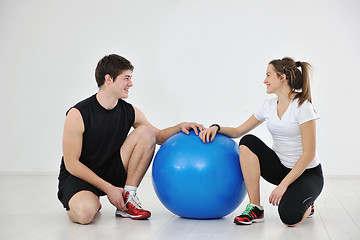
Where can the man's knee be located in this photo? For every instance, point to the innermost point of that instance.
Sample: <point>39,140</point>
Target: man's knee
<point>145,135</point>
<point>82,215</point>
<point>83,207</point>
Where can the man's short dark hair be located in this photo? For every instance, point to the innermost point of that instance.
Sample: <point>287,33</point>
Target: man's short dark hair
<point>113,65</point>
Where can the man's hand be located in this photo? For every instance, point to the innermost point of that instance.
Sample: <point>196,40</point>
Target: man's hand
<point>187,126</point>
<point>116,197</point>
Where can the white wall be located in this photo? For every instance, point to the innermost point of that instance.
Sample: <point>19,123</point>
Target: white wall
<point>198,61</point>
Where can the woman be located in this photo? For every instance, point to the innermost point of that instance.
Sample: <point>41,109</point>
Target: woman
<point>292,164</point>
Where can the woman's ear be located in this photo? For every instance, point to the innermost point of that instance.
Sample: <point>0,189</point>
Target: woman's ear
<point>283,77</point>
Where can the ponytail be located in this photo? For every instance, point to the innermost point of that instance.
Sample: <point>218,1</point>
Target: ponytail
<point>299,81</point>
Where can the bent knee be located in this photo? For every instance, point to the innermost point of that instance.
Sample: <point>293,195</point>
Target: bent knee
<point>82,215</point>
<point>245,152</point>
<point>290,217</point>
<point>248,138</point>
<point>243,149</point>
<point>247,141</point>
<point>145,134</point>
<point>83,207</point>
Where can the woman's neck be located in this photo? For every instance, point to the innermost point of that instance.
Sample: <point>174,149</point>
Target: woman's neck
<point>285,98</point>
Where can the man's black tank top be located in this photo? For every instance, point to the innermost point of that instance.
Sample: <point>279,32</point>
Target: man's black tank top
<point>105,132</point>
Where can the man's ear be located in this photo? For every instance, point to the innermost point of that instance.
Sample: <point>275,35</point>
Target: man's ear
<point>108,78</point>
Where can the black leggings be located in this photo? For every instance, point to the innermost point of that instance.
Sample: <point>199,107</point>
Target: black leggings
<point>300,194</point>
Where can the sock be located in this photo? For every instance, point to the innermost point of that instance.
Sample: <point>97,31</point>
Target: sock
<point>130,189</point>
<point>259,207</point>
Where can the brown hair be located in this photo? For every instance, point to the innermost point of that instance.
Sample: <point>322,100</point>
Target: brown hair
<point>298,81</point>
<point>113,65</point>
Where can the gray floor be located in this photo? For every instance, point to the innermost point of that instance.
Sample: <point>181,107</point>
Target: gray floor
<point>30,210</point>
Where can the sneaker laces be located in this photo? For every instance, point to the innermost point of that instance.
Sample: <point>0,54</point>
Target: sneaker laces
<point>248,209</point>
<point>134,200</point>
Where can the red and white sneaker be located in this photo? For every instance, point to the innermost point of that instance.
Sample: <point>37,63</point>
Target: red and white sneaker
<point>312,211</point>
<point>135,211</point>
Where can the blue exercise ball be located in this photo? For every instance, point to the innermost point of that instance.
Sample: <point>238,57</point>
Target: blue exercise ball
<point>198,180</point>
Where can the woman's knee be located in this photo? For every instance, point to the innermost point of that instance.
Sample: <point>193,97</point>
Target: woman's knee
<point>248,140</point>
<point>244,151</point>
<point>290,216</point>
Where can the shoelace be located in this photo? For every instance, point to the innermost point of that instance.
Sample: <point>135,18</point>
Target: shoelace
<point>248,209</point>
<point>134,200</point>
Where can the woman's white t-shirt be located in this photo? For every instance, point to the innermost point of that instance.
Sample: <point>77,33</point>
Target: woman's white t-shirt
<point>286,131</point>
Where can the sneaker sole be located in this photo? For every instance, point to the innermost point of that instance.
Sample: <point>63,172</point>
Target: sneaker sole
<point>248,223</point>
<point>126,215</point>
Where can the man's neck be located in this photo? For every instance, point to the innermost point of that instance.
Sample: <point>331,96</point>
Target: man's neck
<point>106,101</point>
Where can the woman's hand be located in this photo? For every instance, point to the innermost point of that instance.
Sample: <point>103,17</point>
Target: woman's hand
<point>208,134</point>
<point>276,195</point>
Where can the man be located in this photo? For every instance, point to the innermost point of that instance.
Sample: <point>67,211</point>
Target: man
<point>99,157</point>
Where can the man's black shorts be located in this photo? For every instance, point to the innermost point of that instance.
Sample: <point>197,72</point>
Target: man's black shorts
<point>69,185</point>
